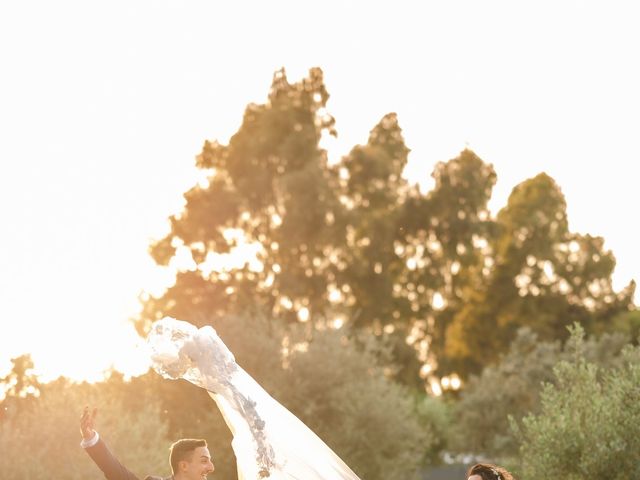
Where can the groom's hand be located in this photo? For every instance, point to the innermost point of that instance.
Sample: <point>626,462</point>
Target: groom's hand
<point>87,421</point>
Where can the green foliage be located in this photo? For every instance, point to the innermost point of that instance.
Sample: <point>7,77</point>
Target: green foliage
<point>408,253</point>
<point>627,323</point>
<point>408,249</point>
<point>38,441</point>
<point>589,422</point>
<point>436,415</point>
<point>449,233</point>
<point>374,193</point>
<point>511,388</point>
<point>544,277</point>
<point>357,409</point>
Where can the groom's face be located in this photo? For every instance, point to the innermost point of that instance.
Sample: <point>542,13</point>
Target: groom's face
<point>199,466</point>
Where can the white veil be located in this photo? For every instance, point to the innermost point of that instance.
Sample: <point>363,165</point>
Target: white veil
<point>268,440</point>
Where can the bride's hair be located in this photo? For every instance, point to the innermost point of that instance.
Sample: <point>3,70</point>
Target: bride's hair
<point>487,471</point>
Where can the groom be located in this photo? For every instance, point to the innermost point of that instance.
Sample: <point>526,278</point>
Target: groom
<point>189,458</point>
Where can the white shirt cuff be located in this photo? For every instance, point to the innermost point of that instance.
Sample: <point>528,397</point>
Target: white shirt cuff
<point>90,442</point>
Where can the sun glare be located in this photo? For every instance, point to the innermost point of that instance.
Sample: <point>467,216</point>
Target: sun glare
<point>98,155</point>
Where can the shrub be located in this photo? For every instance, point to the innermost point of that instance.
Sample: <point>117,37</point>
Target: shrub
<point>512,387</point>
<point>589,422</point>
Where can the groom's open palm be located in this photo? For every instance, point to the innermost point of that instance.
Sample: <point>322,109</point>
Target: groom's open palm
<point>87,422</point>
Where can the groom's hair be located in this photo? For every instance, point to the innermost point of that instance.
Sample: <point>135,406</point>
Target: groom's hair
<point>182,450</point>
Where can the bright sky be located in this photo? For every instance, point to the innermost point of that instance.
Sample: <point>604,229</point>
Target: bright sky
<point>104,105</point>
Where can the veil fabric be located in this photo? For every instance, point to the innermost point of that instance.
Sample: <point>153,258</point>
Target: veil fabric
<point>268,440</point>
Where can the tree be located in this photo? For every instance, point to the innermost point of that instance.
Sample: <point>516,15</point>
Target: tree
<point>543,276</point>
<point>447,237</point>
<point>370,294</point>
<point>354,242</point>
<point>410,254</point>
<point>627,323</point>
<point>269,187</point>
<point>21,380</point>
<point>20,387</point>
<point>374,192</point>
<point>589,423</point>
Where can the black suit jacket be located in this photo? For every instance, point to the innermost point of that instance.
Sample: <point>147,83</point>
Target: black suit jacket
<point>111,466</point>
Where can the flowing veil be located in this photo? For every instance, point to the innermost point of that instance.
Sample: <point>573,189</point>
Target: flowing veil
<point>268,440</point>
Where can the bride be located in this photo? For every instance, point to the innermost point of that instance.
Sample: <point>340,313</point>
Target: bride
<point>268,440</point>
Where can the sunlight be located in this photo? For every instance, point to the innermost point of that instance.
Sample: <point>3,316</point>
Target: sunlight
<point>88,359</point>
<point>435,388</point>
<point>80,210</point>
<point>438,301</point>
<point>303,314</point>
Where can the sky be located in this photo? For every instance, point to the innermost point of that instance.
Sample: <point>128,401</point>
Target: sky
<point>104,106</point>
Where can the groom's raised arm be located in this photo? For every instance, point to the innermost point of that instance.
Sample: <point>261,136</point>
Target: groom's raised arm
<point>98,451</point>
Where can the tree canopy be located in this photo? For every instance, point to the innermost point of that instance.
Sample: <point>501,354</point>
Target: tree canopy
<point>543,276</point>
<point>353,242</point>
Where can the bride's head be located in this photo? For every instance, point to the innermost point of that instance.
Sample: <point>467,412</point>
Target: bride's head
<point>487,471</point>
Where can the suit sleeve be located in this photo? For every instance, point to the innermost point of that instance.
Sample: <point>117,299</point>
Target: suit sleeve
<point>109,464</point>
